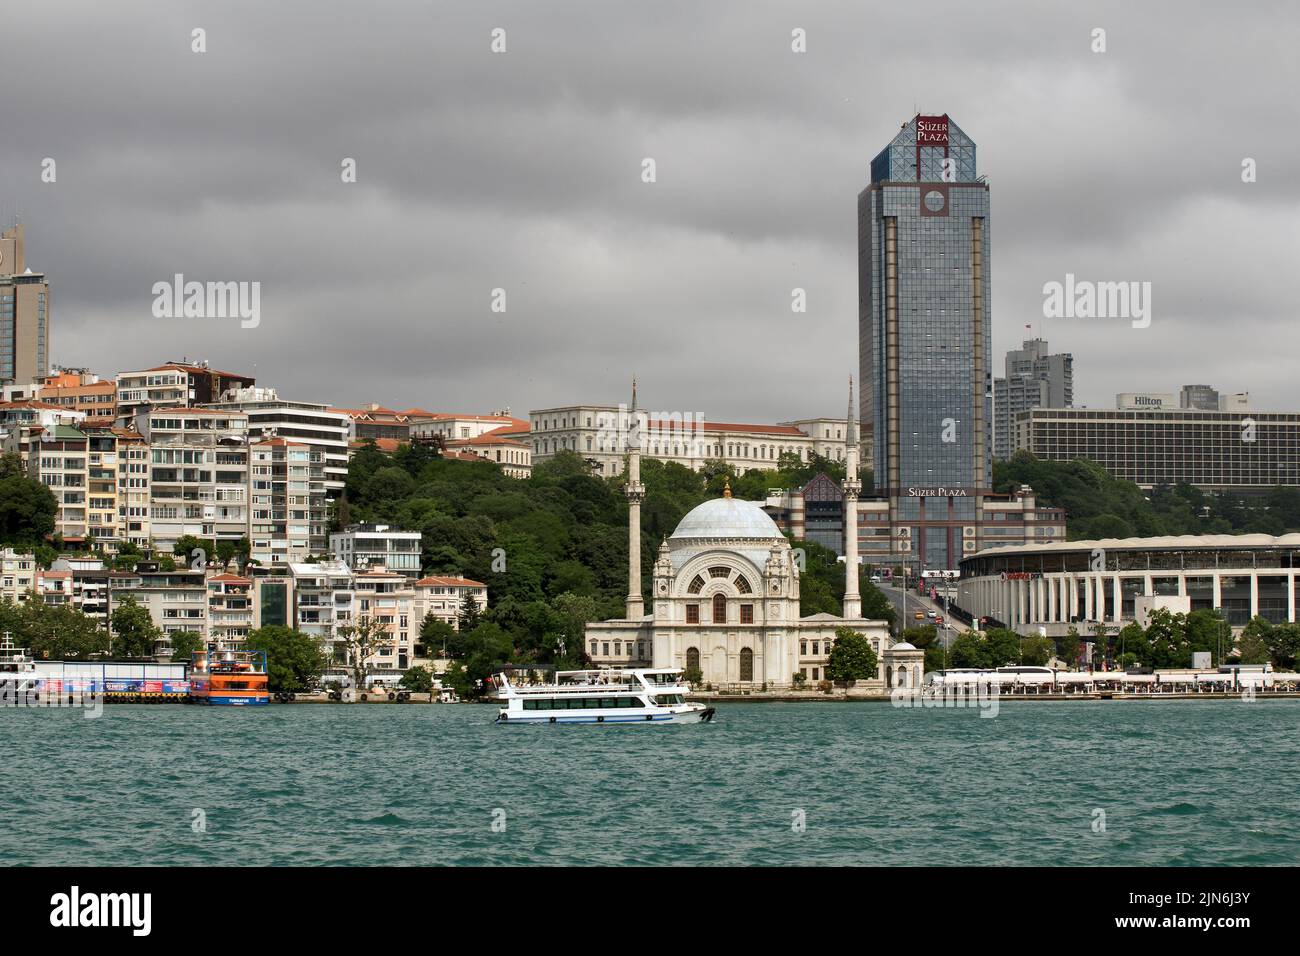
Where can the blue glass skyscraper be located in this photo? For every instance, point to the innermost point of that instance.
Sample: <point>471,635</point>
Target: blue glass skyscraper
<point>924,341</point>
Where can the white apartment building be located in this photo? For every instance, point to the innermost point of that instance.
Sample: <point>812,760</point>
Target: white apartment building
<point>363,546</point>
<point>443,597</point>
<point>176,600</point>
<point>17,575</point>
<point>57,457</point>
<point>322,429</point>
<point>230,609</point>
<point>288,502</point>
<point>600,434</point>
<point>173,385</point>
<point>387,598</point>
<point>322,599</point>
<point>199,479</point>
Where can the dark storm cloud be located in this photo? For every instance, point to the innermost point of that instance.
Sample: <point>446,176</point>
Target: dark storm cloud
<point>522,171</point>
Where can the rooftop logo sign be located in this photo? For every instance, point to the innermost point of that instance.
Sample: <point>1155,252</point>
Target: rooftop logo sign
<point>932,131</point>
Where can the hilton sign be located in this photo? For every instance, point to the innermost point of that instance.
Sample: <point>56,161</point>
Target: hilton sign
<point>932,130</point>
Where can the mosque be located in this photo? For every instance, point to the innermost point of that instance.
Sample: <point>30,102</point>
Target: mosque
<point>725,597</point>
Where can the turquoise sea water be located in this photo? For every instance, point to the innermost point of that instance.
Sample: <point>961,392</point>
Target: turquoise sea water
<point>1204,783</point>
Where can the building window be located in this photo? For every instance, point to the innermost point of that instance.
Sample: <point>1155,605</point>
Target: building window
<point>692,614</point>
<point>746,664</point>
<point>747,614</point>
<point>692,659</point>
<point>719,609</point>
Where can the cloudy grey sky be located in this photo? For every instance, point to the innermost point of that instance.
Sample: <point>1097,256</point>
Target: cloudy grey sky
<point>522,170</point>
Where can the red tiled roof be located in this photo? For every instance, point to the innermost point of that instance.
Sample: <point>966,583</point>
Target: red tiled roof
<point>388,445</point>
<point>436,581</point>
<point>734,427</point>
<point>182,367</point>
<point>487,438</point>
<point>33,403</point>
<point>227,578</point>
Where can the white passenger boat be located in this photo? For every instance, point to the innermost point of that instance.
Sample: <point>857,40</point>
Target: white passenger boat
<point>607,696</point>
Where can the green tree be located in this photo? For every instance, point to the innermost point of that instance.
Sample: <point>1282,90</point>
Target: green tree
<point>437,635</point>
<point>360,640</point>
<point>184,645</point>
<point>418,680</point>
<point>1035,651</point>
<point>134,632</point>
<point>469,614</point>
<point>294,661</point>
<point>27,507</point>
<point>1005,647</point>
<point>191,549</point>
<point>969,650</point>
<point>852,657</point>
<point>1069,647</point>
<point>1252,648</point>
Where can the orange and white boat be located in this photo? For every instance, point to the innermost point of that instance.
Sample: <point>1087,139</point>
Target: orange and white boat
<point>230,678</point>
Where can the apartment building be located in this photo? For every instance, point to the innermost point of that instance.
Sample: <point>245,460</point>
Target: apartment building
<point>87,584</point>
<point>288,502</point>
<point>322,598</point>
<point>199,475</point>
<point>444,596</point>
<point>80,390</point>
<point>176,600</point>
<point>387,598</point>
<point>58,458</point>
<point>17,575</point>
<point>230,609</point>
<point>362,546</point>
<point>174,385</point>
<point>323,429</point>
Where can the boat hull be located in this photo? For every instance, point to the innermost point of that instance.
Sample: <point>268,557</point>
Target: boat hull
<point>692,715</point>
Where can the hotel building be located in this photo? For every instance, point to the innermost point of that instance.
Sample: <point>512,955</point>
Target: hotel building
<point>1168,445</point>
<point>925,351</point>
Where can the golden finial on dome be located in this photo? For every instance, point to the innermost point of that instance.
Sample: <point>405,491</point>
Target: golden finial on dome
<point>726,488</point>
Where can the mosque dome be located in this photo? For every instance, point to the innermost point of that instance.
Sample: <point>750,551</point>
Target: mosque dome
<point>727,518</point>
<point>903,646</point>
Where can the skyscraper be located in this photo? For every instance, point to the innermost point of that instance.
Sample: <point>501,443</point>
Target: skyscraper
<point>1034,379</point>
<point>924,341</point>
<point>24,314</point>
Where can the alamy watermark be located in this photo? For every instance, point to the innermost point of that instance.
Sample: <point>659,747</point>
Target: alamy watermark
<point>975,694</point>
<point>179,299</point>
<point>673,434</point>
<point>25,695</point>
<point>1085,299</point>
